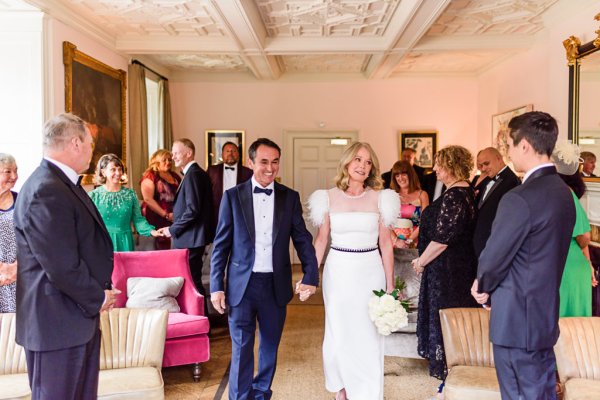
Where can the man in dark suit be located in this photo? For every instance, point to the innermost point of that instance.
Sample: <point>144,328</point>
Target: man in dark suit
<point>192,226</point>
<point>62,284</point>
<point>522,264</point>
<point>256,221</point>
<point>409,155</point>
<point>500,180</point>
<point>226,175</point>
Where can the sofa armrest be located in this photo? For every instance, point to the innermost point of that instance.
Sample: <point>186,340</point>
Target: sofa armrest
<point>132,338</point>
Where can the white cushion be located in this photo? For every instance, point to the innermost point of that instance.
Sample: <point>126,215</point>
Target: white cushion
<point>154,293</point>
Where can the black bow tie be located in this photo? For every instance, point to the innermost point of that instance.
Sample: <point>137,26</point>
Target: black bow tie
<point>261,190</point>
<point>231,168</point>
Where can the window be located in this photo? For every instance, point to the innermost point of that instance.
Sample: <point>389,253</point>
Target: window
<point>155,115</point>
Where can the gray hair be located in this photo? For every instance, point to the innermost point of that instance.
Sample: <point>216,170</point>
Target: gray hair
<point>60,129</point>
<point>7,159</point>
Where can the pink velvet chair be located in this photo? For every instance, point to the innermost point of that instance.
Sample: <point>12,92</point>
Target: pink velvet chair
<point>187,331</point>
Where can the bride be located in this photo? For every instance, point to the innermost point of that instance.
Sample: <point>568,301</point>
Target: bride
<point>358,215</point>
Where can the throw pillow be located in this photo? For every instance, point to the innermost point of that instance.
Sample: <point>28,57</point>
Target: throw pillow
<point>154,293</point>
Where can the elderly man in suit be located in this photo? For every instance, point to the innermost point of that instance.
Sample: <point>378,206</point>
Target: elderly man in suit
<point>256,221</point>
<point>192,226</point>
<point>522,263</point>
<point>500,180</point>
<point>226,175</point>
<point>62,284</point>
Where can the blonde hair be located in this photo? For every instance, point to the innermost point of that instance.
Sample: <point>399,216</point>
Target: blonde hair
<point>456,160</point>
<point>342,177</point>
<point>156,158</point>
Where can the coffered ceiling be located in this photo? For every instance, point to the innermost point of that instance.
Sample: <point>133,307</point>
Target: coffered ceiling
<point>280,39</point>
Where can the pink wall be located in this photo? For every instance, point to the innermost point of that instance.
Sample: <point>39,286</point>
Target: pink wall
<point>539,76</point>
<point>59,33</point>
<point>377,109</point>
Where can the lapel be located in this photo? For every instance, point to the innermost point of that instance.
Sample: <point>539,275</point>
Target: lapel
<point>220,173</point>
<point>494,186</point>
<point>194,165</point>
<point>79,192</point>
<point>280,196</point>
<point>244,192</point>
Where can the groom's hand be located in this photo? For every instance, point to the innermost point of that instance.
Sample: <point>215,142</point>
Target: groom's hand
<point>218,301</point>
<point>304,291</point>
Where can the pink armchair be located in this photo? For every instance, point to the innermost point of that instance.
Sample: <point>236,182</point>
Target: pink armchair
<point>187,331</point>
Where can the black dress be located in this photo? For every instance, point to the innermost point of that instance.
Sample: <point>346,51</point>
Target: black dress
<point>447,280</point>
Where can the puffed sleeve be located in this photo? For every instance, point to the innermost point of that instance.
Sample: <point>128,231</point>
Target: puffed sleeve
<point>318,207</point>
<point>389,207</point>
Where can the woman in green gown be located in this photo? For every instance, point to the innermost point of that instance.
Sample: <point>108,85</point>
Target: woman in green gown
<point>118,205</point>
<point>578,278</point>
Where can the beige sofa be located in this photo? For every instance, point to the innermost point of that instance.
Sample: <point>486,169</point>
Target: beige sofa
<point>469,355</point>
<point>130,356</point>
<point>578,357</point>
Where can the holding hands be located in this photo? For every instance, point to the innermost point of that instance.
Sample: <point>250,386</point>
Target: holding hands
<point>164,232</point>
<point>416,264</point>
<point>157,233</point>
<point>304,291</point>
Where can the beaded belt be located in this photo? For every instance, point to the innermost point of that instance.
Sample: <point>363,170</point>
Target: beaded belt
<point>355,250</point>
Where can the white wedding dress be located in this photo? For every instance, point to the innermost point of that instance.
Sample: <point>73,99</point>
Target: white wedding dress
<point>352,348</point>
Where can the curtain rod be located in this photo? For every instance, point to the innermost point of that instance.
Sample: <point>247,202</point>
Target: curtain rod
<point>149,69</point>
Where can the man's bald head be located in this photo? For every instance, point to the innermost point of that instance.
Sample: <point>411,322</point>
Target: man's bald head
<point>490,162</point>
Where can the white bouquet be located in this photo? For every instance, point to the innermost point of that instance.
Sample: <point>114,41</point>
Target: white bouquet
<point>387,312</point>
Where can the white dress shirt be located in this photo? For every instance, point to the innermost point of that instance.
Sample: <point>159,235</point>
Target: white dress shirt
<point>187,166</point>
<point>532,170</point>
<point>491,183</point>
<point>68,171</point>
<point>229,176</point>
<point>264,209</point>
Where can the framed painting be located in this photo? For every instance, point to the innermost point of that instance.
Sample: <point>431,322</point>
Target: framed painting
<point>96,92</point>
<point>423,142</point>
<point>215,139</point>
<point>500,128</point>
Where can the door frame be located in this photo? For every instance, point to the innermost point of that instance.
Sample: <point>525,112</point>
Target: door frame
<point>289,135</point>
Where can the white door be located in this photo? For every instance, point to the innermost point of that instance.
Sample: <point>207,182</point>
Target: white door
<point>315,162</point>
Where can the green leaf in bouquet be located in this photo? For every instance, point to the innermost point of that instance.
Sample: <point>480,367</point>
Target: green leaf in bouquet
<point>379,293</point>
<point>400,284</point>
<point>405,304</point>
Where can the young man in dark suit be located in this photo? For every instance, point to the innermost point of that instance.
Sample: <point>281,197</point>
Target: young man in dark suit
<point>62,284</point>
<point>522,263</point>
<point>226,175</point>
<point>501,179</point>
<point>192,226</point>
<point>257,219</point>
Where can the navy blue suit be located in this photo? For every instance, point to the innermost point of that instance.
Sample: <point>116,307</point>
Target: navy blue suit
<point>263,296</point>
<point>192,226</point>
<point>521,267</point>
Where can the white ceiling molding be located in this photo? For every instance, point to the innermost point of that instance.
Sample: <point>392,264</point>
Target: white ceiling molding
<point>312,39</point>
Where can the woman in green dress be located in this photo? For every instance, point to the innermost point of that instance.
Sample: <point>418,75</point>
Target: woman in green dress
<point>118,205</point>
<point>578,278</point>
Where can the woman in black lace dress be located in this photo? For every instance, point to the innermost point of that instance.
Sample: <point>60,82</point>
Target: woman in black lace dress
<point>447,259</point>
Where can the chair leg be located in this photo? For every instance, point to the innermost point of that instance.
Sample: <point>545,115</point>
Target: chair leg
<point>196,370</point>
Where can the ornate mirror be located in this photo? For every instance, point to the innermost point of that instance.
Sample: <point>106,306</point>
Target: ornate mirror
<point>584,94</point>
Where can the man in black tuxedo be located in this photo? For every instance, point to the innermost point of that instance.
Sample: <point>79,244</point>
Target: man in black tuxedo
<point>409,155</point>
<point>522,264</point>
<point>226,175</point>
<point>500,180</point>
<point>65,259</point>
<point>257,219</point>
<point>192,226</point>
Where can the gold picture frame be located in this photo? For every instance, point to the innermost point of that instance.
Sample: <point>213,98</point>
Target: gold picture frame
<point>96,93</point>
<point>214,141</point>
<point>500,128</point>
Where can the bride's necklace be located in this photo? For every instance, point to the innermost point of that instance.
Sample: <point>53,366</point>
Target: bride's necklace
<point>351,195</point>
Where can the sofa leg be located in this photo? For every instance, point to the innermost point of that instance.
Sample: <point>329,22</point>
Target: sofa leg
<point>196,370</point>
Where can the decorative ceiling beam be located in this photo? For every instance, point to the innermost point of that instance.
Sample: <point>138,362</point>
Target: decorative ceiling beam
<point>419,17</point>
<point>244,25</point>
<point>474,42</point>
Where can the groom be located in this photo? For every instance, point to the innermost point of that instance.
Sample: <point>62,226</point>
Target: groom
<point>256,221</point>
